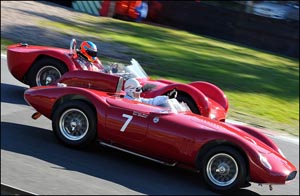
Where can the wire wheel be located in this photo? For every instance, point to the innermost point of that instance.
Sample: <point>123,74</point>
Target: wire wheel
<point>73,124</point>
<point>222,169</point>
<point>47,75</point>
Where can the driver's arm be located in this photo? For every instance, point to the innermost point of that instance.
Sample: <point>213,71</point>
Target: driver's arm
<point>158,100</point>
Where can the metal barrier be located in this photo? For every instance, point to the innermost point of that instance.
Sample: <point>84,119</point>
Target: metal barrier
<point>279,36</point>
<point>90,7</point>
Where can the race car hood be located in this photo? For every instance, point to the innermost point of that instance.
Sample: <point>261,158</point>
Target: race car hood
<point>232,132</point>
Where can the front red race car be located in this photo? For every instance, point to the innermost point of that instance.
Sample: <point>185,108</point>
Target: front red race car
<point>228,156</point>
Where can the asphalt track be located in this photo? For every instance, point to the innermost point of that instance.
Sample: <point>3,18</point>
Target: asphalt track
<point>34,161</point>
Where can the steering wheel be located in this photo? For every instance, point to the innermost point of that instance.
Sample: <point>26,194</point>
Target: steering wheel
<point>73,46</point>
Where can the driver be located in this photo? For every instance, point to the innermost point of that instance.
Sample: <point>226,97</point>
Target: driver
<point>133,91</point>
<point>87,57</point>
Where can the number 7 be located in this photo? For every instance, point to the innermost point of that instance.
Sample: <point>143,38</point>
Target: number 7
<point>129,118</point>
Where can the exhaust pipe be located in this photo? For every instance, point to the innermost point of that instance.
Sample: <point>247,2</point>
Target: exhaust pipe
<point>36,115</point>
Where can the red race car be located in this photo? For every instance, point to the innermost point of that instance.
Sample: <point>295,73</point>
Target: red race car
<point>88,106</point>
<point>41,65</point>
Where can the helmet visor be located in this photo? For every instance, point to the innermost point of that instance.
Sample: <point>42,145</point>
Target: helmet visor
<point>138,89</point>
<point>134,90</point>
<point>92,53</point>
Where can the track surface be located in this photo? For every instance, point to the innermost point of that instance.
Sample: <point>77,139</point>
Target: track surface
<point>33,160</point>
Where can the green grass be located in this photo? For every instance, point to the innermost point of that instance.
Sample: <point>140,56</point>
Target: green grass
<point>262,88</point>
<point>5,43</point>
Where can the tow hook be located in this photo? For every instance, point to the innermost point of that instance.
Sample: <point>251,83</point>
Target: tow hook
<point>36,115</point>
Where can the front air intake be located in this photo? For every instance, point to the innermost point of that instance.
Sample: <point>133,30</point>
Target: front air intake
<point>291,176</point>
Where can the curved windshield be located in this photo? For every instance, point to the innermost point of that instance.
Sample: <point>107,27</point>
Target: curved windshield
<point>127,71</point>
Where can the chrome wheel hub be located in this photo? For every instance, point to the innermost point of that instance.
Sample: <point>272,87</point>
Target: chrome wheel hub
<point>48,80</point>
<point>46,75</point>
<point>222,169</point>
<point>73,124</point>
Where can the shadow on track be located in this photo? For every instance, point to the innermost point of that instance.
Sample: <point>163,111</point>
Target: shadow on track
<point>13,94</point>
<point>127,170</point>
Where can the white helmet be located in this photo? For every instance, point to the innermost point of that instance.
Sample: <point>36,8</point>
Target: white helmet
<point>132,85</point>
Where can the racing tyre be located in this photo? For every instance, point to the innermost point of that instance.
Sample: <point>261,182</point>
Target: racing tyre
<point>189,101</point>
<point>223,169</point>
<point>74,124</point>
<point>45,71</point>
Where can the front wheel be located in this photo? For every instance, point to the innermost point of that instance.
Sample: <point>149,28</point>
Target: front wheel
<point>45,72</point>
<point>74,124</point>
<point>223,169</point>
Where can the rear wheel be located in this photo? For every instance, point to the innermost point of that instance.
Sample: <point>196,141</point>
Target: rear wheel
<point>74,124</point>
<point>45,71</point>
<point>223,169</point>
